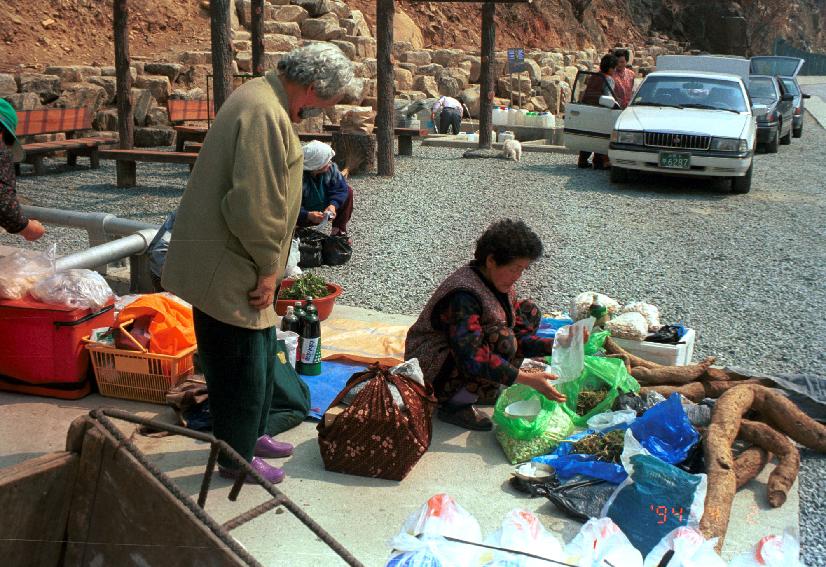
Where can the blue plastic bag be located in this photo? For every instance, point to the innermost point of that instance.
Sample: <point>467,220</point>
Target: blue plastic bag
<point>666,432</point>
<point>548,326</point>
<point>656,499</point>
<point>567,464</point>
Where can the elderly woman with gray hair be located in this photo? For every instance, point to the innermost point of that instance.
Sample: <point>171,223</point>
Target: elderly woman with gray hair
<point>232,237</point>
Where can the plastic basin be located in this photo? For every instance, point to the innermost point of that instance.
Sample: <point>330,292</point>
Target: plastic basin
<point>323,304</point>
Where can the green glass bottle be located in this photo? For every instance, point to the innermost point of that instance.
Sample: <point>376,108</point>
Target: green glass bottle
<point>310,348</point>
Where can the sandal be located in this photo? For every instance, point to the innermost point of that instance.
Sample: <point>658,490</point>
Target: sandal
<point>467,417</point>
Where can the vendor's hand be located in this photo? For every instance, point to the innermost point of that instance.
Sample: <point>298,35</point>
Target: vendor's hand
<point>264,293</point>
<point>345,173</point>
<point>332,210</point>
<point>541,382</point>
<point>33,230</point>
<point>315,217</point>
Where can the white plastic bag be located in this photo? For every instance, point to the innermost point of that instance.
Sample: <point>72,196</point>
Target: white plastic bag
<point>20,270</point>
<point>522,531</point>
<point>292,270</point>
<point>602,421</point>
<point>650,312</point>
<point>631,326</point>
<point>291,342</point>
<point>422,536</point>
<point>690,549</point>
<point>581,306</point>
<point>78,289</point>
<point>568,355</point>
<point>772,551</point>
<point>600,542</point>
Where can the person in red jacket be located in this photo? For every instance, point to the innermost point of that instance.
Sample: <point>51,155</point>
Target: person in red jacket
<point>12,219</point>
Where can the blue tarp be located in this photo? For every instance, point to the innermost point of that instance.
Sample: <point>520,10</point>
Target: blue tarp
<point>326,386</point>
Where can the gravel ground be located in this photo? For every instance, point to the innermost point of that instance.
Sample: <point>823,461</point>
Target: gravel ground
<point>745,271</point>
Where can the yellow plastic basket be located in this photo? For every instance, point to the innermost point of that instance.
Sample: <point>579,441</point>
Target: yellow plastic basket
<point>138,375</point>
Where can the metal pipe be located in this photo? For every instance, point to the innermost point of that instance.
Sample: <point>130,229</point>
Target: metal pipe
<point>109,252</point>
<point>90,221</point>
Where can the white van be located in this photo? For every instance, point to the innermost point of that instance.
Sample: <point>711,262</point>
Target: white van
<point>691,117</point>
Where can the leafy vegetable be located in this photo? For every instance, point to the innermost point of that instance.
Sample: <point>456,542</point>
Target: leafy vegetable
<point>307,285</point>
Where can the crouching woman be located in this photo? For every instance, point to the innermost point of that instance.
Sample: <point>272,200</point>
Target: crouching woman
<point>474,332</point>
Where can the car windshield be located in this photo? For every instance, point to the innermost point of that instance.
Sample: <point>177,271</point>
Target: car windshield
<point>784,66</point>
<point>791,86</point>
<point>691,92</point>
<point>762,88</point>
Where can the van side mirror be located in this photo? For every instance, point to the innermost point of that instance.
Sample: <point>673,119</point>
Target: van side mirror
<point>804,95</point>
<point>608,102</point>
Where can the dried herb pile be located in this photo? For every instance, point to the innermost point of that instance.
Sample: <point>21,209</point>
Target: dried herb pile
<point>307,285</point>
<point>589,399</point>
<point>606,447</point>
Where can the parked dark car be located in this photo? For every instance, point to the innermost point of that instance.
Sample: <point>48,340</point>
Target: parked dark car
<point>774,127</point>
<point>787,68</point>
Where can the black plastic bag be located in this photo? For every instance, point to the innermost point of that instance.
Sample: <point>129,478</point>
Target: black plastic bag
<point>336,250</point>
<point>580,499</point>
<point>310,248</point>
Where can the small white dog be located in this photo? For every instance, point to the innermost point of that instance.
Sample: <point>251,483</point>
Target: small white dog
<point>512,149</point>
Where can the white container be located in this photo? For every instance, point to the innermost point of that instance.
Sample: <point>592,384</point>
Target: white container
<point>500,116</point>
<point>548,120</point>
<point>512,117</point>
<point>522,119</point>
<point>415,123</point>
<point>527,409</point>
<point>667,355</point>
<point>504,136</point>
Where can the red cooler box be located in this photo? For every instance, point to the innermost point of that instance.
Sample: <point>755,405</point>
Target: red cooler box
<point>42,350</point>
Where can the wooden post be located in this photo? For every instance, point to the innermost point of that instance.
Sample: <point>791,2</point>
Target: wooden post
<point>221,51</point>
<point>257,37</point>
<point>486,79</point>
<point>123,77</point>
<point>385,112</point>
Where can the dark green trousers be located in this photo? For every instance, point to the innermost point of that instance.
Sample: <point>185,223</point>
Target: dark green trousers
<point>239,367</point>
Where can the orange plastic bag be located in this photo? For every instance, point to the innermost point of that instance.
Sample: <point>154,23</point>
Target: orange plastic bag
<point>171,329</point>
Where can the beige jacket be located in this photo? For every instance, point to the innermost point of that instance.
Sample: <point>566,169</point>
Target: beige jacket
<point>237,215</point>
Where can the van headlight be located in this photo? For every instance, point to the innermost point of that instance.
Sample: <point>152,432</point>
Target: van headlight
<point>628,137</point>
<point>729,145</point>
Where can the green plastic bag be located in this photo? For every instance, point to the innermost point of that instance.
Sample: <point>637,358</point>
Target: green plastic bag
<point>596,342</point>
<point>599,372</point>
<point>522,438</point>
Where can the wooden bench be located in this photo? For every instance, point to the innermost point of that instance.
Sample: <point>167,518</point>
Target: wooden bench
<point>404,135</point>
<point>127,161</point>
<point>54,121</point>
<point>181,111</point>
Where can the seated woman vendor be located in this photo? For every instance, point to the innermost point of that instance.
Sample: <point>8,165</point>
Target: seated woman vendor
<point>473,333</point>
<point>324,190</point>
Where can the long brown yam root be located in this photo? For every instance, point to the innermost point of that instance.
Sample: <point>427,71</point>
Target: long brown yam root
<point>749,464</point>
<point>782,477</point>
<point>722,479</point>
<point>784,416</point>
<point>698,391</point>
<point>672,374</point>
<point>611,347</point>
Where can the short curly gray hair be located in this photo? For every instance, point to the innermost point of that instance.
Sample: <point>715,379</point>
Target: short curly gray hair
<point>323,65</point>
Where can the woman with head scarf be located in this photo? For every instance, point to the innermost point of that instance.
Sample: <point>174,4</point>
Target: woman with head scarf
<point>12,219</point>
<point>232,238</point>
<point>324,190</point>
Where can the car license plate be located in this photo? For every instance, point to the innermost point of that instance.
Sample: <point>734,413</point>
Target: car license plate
<point>675,160</point>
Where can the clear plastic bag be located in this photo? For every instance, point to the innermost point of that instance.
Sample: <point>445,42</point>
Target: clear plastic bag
<point>20,270</point>
<point>292,270</point>
<point>78,289</point>
<point>581,306</point>
<point>690,549</point>
<point>521,530</point>
<point>655,499</point>
<point>650,312</point>
<point>567,357</point>
<point>421,542</point>
<point>631,326</point>
<point>610,419</point>
<point>600,542</point>
<point>772,551</point>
